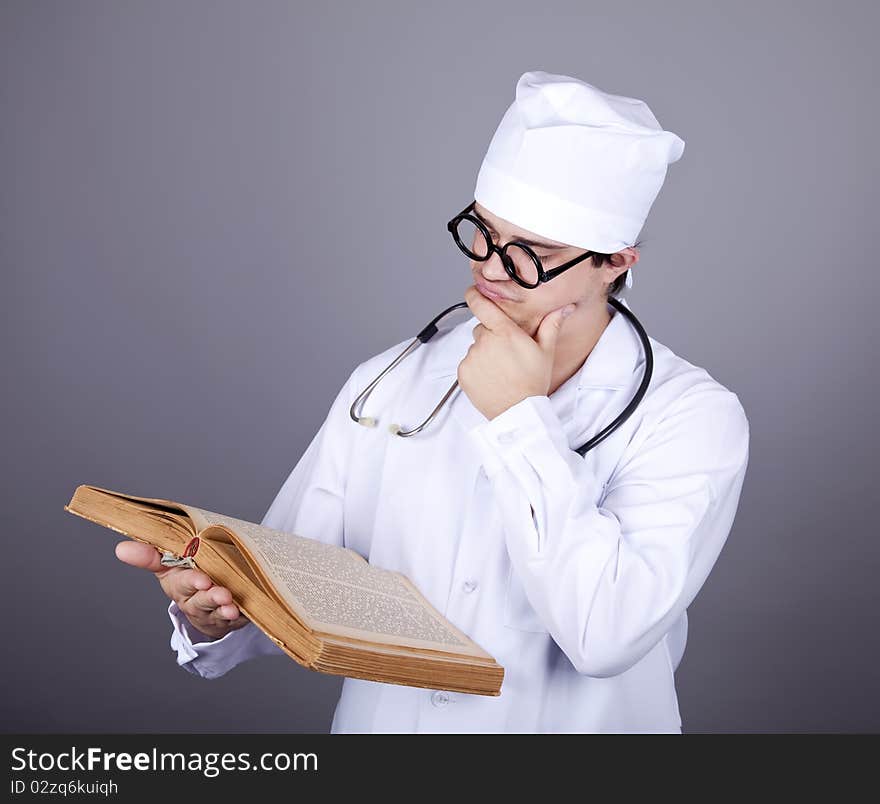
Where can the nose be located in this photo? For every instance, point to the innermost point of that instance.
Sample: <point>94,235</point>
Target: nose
<point>493,268</point>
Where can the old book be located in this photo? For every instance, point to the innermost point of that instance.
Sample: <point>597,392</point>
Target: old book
<point>325,606</point>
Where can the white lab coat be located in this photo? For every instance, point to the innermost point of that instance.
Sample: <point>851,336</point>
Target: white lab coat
<point>583,601</point>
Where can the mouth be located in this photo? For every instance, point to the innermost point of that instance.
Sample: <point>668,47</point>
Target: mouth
<point>491,294</point>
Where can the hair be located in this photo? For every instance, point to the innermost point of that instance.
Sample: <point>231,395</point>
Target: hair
<point>599,259</point>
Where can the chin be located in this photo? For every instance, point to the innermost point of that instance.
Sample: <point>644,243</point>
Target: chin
<point>527,322</point>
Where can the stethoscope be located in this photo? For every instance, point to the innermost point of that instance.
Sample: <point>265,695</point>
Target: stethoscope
<point>431,330</point>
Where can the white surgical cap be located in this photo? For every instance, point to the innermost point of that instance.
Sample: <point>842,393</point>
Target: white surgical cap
<point>576,164</point>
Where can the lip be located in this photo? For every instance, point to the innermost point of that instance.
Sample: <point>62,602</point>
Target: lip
<point>491,293</point>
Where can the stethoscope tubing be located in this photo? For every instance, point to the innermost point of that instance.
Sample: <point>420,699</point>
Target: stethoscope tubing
<point>431,329</point>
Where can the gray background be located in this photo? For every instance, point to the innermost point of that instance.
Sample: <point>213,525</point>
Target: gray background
<point>197,247</point>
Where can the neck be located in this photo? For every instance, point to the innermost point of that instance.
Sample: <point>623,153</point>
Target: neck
<point>579,333</point>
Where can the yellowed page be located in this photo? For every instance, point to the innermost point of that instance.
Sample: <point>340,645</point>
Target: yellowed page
<point>340,593</point>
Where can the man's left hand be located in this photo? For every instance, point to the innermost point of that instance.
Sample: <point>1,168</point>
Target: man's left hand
<point>504,364</point>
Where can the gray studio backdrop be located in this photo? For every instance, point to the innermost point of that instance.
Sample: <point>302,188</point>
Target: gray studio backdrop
<point>210,212</point>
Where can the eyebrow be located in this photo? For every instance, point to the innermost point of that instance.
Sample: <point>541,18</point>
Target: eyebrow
<point>528,241</point>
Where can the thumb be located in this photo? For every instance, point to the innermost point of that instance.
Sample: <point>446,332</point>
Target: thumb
<point>140,555</point>
<point>548,330</point>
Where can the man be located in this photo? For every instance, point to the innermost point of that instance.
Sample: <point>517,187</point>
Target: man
<point>574,571</point>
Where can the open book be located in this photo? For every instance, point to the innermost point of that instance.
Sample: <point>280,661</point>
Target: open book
<point>325,606</point>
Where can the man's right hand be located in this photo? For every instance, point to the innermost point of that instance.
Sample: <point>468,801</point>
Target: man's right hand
<point>209,608</point>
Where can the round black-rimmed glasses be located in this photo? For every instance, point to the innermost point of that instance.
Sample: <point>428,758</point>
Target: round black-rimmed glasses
<point>522,265</point>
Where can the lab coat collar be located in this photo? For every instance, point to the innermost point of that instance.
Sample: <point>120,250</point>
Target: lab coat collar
<point>610,364</point>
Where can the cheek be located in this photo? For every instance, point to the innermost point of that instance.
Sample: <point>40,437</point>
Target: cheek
<point>575,283</point>
<point>550,295</point>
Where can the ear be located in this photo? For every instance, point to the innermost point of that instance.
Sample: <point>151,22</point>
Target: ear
<point>621,261</point>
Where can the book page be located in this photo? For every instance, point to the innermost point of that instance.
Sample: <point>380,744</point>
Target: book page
<point>341,592</point>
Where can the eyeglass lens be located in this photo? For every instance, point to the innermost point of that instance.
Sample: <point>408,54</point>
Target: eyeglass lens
<point>473,242</point>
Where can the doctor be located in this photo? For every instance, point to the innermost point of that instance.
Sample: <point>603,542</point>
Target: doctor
<point>574,572</point>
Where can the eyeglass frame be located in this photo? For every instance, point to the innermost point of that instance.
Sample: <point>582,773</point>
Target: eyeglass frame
<point>506,261</point>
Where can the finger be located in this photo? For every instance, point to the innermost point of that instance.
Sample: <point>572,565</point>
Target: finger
<point>140,555</point>
<point>211,599</point>
<point>490,314</point>
<point>235,622</point>
<point>548,329</point>
<point>206,607</point>
<point>190,581</point>
<point>229,612</point>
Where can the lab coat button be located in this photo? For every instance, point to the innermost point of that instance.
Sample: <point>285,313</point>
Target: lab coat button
<point>469,586</point>
<point>440,698</point>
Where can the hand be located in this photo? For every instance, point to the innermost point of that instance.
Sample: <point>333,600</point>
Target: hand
<point>504,364</point>
<point>209,608</point>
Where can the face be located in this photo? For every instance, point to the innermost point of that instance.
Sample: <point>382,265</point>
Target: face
<point>583,283</point>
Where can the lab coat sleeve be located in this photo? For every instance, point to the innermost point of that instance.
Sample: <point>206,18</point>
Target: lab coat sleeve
<point>609,580</point>
<point>310,504</point>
